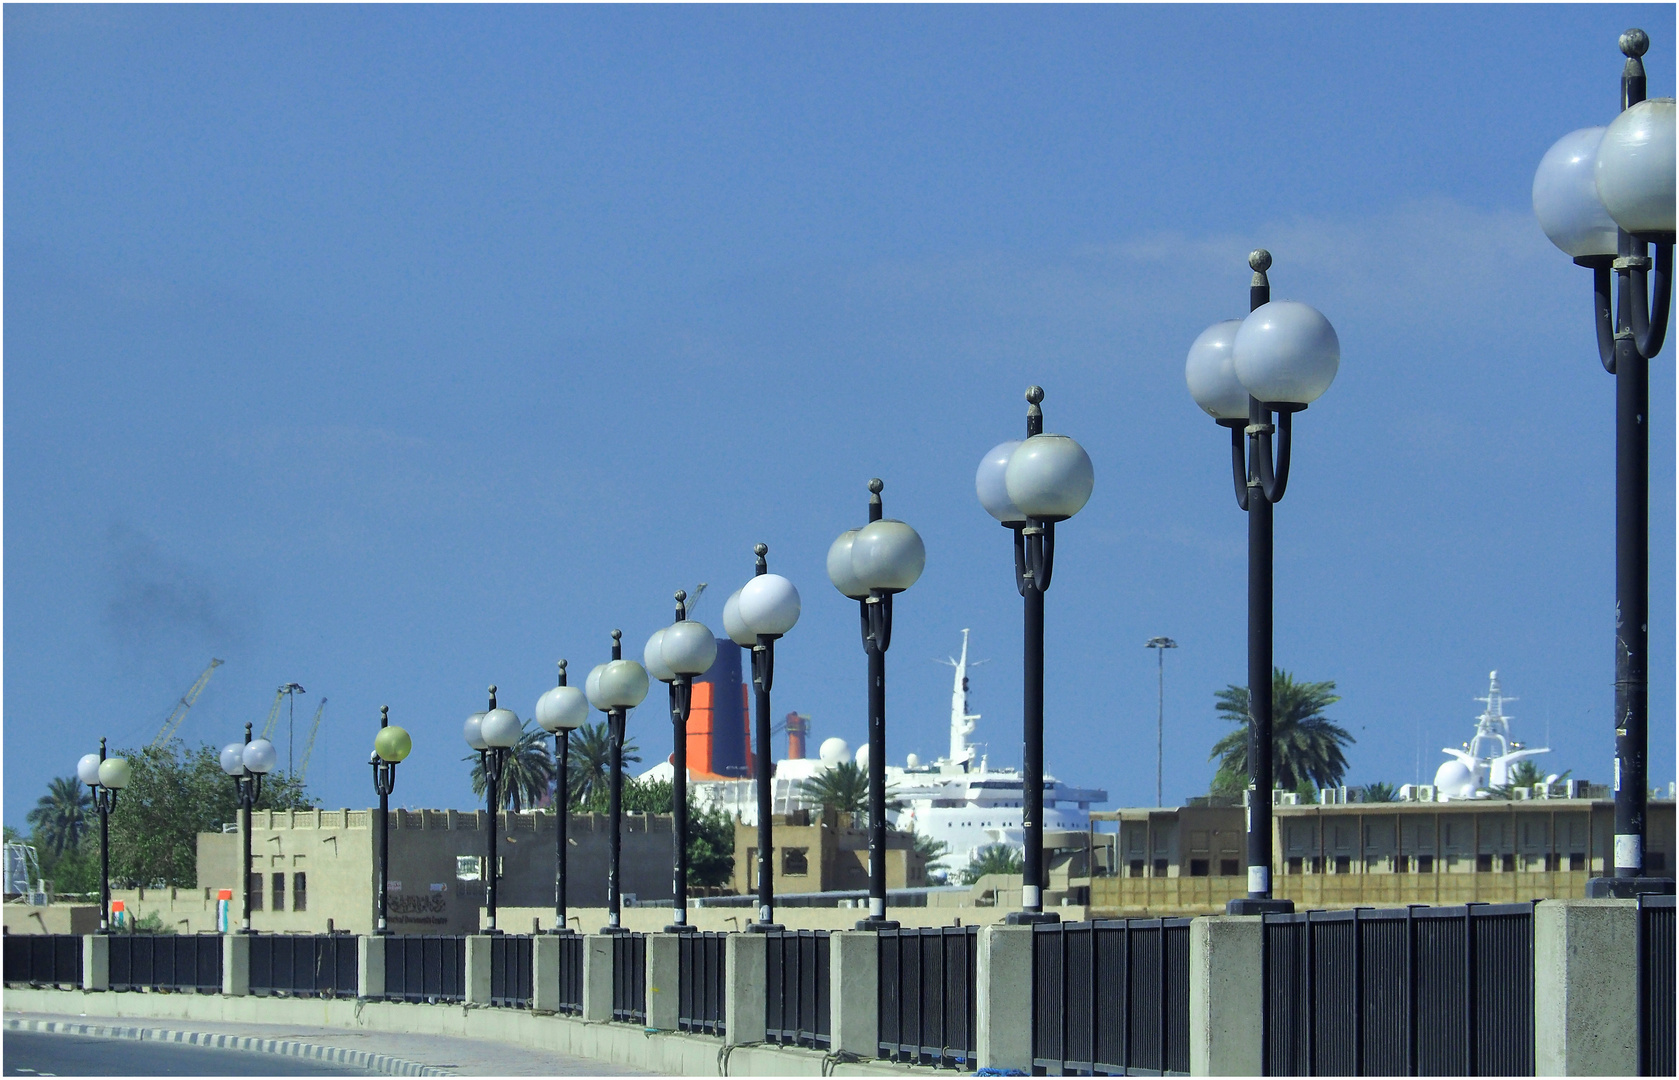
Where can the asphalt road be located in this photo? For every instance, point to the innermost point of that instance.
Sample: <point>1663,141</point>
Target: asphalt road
<point>30,1053</point>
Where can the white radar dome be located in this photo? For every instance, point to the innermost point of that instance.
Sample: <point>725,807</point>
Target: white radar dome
<point>834,751</point>
<point>913,761</point>
<point>1453,780</point>
<point>862,757</point>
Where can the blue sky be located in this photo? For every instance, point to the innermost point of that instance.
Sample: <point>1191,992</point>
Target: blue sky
<point>398,351</point>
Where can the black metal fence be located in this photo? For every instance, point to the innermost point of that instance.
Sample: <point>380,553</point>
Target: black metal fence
<point>44,960</point>
<point>304,965</point>
<point>1111,997</point>
<point>629,978</point>
<point>1422,991</point>
<point>571,974</point>
<point>703,977</point>
<point>1655,986</point>
<point>166,962</point>
<point>511,970</point>
<point>927,995</point>
<point>425,967</point>
<point>796,988</point>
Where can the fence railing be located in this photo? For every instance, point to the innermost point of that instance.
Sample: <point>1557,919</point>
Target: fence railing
<point>1423,991</point>
<point>629,978</point>
<point>571,974</point>
<point>1655,986</point>
<point>44,959</point>
<point>166,962</point>
<point>1111,996</point>
<point>796,988</point>
<point>927,995</point>
<point>511,970</point>
<point>425,967</point>
<point>304,965</point>
<point>702,979</point>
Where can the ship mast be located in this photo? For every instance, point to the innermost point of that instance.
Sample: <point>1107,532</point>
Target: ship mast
<point>961,720</point>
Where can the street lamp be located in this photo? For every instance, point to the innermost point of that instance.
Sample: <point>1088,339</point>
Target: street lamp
<point>1605,196</point>
<point>560,711</point>
<point>493,733</point>
<point>1160,645</point>
<point>1028,486</point>
<point>390,747</point>
<point>760,611</point>
<point>1252,376</point>
<point>674,656</point>
<point>247,763</point>
<point>615,688</point>
<point>106,776</point>
<point>870,565</point>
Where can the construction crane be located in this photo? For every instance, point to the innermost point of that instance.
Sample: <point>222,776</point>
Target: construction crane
<point>309,747</point>
<point>693,600</point>
<point>274,709</point>
<point>172,722</point>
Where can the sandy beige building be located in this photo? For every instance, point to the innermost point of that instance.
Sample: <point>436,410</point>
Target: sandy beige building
<point>823,852</point>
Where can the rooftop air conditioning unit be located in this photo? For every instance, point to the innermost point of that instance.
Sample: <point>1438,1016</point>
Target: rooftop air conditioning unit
<point>1291,798</point>
<point>1578,789</point>
<point>1521,793</point>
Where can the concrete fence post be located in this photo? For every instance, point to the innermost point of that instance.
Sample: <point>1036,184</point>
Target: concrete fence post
<point>478,969</point>
<point>1585,987</point>
<point>1226,998</point>
<point>236,965</point>
<point>664,981</point>
<point>747,958</point>
<point>545,973</point>
<point>96,962</point>
<point>854,992</point>
<point>1003,998</point>
<point>370,966</point>
<point>597,977</point>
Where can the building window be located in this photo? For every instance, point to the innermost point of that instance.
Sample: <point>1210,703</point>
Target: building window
<point>1576,861</point>
<point>1136,868</point>
<point>300,891</point>
<point>1550,863</point>
<point>1509,864</point>
<point>280,891</point>
<point>1297,865</point>
<point>1229,867</point>
<point>1343,864</point>
<point>254,887</point>
<point>1198,868</point>
<point>1483,864</point>
<point>794,863</point>
<point>1317,864</point>
<point>1402,864</point>
<point>1160,868</point>
<point>1425,864</point>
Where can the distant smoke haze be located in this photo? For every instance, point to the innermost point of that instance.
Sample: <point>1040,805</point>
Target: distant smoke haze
<point>156,601</point>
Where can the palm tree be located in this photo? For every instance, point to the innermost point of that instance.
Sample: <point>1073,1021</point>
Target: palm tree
<point>932,851</point>
<point>1524,774</point>
<point>589,761</point>
<point>60,816</point>
<point>994,859</point>
<point>1305,746</point>
<point>1380,791</point>
<point>842,787</point>
<point>526,774</point>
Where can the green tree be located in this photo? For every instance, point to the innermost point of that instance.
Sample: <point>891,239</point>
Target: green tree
<point>60,816</point>
<point>1380,791</point>
<point>994,859</point>
<point>711,832</point>
<point>842,787</point>
<point>527,773</point>
<point>1306,747</point>
<point>589,760</point>
<point>174,795</point>
<point>932,852</point>
<point>1524,774</point>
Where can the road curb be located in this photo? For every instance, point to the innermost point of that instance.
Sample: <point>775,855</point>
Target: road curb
<point>357,1059</point>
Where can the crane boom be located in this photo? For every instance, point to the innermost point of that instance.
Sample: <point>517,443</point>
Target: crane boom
<point>274,709</point>
<point>309,747</point>
<point>172,722</point>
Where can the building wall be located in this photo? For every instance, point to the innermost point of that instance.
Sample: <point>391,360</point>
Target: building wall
<point>430,890</point>
<point>823,854</point>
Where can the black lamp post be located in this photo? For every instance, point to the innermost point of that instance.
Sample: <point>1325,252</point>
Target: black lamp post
<point>560,711</point>
<point>1252,376</point>
<point>756,615</point>
<point>246,763</point>
<point>1606,197</point>
<point>615,688</point>
<point>106,777</point>
<point>1028,486</point>
<point>493,734</point>
<point>674,656</point>
<point>390,747</point>
<point>871,565</point>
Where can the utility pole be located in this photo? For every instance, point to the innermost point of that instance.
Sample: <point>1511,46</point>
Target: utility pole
<point>1160,645</point>
<point>291,690</point>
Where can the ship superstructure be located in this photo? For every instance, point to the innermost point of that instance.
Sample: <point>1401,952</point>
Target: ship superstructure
<point>1484,761</point>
